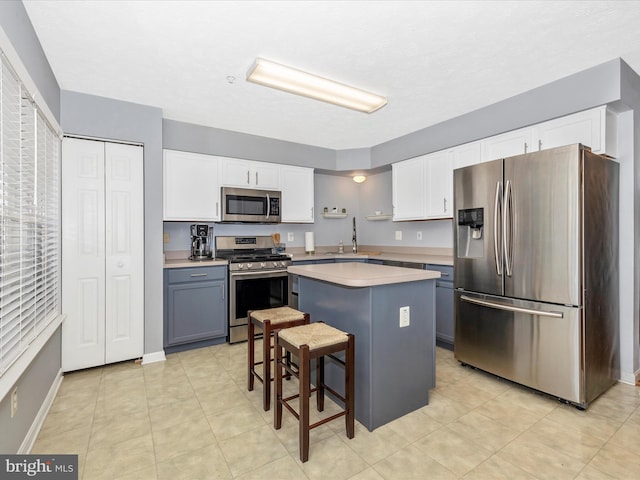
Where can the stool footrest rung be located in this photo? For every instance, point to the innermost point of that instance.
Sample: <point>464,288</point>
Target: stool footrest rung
<point>336,394</point>
<point>328,419</point>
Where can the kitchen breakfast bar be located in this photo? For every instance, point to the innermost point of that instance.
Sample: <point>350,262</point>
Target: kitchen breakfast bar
<point>391,312</point>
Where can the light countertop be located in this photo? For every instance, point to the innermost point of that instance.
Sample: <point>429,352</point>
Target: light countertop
<point>185,262</point>
<point>353,274</point>
<point>399,257</point>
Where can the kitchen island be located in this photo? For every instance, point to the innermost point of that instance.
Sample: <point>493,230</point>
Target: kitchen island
<point>394,364</point>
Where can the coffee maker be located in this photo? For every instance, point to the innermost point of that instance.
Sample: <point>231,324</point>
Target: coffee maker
<point>201,242</point>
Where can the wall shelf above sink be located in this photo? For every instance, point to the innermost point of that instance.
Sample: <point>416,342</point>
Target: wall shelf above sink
<point>333,215</point>
<point>375,218</point>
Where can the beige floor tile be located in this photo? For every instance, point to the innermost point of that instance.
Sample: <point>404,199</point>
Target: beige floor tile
<point>122,403</point>
<point>163,393</point>
<point>414,425</point>
<point>234,421</point>
<point>329,459</point>
<point>466,394</point>
<point>284,468</point>
<point>443,409</point>
<point>368,474</point>
<point>495,468</point>
<point>147,474</point>
<point>205,463</point>
<point>618,462</point>
<point>411,463</point>
<point>181,438</point>
<point>457,453</point>
<point>252,449</point>
<point>585,421</point>
<point>110,430</point>
<point>173,413</point>
<point>376,445</point>
<point>541,460</point>
<point>574,442</point>
<point>615,407</point>
<point>483,430</point>
<point>590,473</point>
<point>75,399</point>
<point>68,442</point>
<point>68,419</point>
<point>627,434</point>
<point>133,455</point>
<point>88,378</point>
<point>216,399</point>
<point>512,415</point>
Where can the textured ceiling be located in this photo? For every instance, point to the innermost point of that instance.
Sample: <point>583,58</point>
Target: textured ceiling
<point>434,60</point>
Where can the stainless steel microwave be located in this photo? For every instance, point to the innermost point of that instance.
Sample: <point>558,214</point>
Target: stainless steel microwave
<point>246,205</point>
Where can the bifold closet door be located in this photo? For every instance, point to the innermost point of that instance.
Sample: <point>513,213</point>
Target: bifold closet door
<point>102,253</point>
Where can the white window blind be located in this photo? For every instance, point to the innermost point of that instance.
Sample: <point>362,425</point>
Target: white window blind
<point>29,219</point>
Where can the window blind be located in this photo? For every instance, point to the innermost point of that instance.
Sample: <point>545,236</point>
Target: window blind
<point>29,219</point>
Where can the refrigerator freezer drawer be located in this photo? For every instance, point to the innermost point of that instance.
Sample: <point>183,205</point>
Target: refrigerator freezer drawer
<point>534,344</point>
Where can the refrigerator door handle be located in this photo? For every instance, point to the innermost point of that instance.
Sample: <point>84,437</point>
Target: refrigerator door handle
<point>497,211</point>
<point>507,228</point>
<point>509,308</point>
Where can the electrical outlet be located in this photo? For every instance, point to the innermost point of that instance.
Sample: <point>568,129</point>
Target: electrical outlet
<point>14,402</point>
<point>165,237</point>
<point>289,236</point>
<point>405,316</point>
<point>398,234</point>
<point>419,235</point>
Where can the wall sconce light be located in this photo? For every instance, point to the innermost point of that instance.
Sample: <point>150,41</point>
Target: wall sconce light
<point>359,178</point>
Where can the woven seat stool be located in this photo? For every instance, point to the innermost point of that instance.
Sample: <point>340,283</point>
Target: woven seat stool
<point>308,342</point>
<point>269,320</point>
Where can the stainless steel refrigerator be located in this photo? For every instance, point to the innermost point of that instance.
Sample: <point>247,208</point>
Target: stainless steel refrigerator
<point>536,270</point>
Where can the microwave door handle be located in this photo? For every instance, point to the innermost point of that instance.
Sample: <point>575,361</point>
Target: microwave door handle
<point>268,206</point>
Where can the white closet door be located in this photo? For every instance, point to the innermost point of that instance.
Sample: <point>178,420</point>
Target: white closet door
<point>102,253</point>
<point>83,247</point>
<point>124,255</point>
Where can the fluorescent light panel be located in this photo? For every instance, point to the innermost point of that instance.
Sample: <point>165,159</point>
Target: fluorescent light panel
<point>292,80</point>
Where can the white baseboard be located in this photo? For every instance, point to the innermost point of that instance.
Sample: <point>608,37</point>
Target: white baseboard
<point>36,426</point>
<point>153,357</point>
<point>630,378</point>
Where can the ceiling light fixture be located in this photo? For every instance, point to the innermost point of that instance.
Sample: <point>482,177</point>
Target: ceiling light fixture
<point>359,178</point>
<point>292,80</point>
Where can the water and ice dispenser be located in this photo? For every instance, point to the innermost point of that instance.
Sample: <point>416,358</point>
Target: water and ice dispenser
<point>471,233</point>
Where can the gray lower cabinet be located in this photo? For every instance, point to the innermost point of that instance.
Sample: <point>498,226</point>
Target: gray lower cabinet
<point>444,305</point>
<point>195,307</point>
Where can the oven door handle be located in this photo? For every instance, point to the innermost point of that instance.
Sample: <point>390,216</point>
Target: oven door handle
<point>268,205</point>
<point>261,273</point>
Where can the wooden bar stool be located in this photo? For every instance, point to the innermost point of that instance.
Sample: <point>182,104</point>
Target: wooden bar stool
<point>308,342</point>
<point>269,321</point>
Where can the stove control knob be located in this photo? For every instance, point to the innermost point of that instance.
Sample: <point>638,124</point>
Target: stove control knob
<point>240,266</point>
<point>275,264</point>
<point>263,264</point>
<point>249,265</point>
<point>282,264</point>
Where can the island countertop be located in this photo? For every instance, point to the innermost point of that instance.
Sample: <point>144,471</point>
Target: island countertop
<point>355,274</point>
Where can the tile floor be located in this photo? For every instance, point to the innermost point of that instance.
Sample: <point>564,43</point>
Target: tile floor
<point>191,417</point>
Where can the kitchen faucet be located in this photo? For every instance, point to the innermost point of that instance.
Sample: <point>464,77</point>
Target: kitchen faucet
<point>353,239</point>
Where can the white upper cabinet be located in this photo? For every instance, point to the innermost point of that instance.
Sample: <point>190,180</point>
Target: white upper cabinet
<point>595,128</point>
<point>508,144</point>
<point>250,174</point>
<point>408,188</point>
<point>467,154</point>
<point>296,184</point>
<point>191,186</point>
<point>439,185</point>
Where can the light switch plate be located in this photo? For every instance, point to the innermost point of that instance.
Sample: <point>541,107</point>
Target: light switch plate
<point>405,316</point>
<point>289,236</point>
<point>398,234</point>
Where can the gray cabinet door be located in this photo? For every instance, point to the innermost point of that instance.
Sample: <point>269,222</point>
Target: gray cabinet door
<point>195,309</point>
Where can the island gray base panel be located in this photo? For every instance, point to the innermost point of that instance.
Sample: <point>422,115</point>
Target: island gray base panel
<point>395,367</point>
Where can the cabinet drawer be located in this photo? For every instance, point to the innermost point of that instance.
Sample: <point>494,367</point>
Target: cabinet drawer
<point>196,274</point>
<point>446,271</point>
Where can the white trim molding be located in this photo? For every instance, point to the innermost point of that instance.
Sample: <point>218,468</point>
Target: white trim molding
<point>153,357</point>
<point>36,426</point>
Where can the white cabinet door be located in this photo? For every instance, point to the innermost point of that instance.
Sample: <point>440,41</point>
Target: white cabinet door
<point>191,187</point>
<point>439,191</point>
<point>249,174</point>
<point>102,253</point>
<point>508,144</point>
<point>467,154</point>
<point>297,194</point>
<point>408,183</point>
<point>593,128</point>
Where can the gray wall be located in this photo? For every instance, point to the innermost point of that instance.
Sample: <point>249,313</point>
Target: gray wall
<point>36,381</point>
<point>105,118</point>
<point>17,26</point>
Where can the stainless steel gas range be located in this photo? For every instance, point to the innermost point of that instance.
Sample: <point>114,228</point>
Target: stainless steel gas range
<point>258,278</point>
